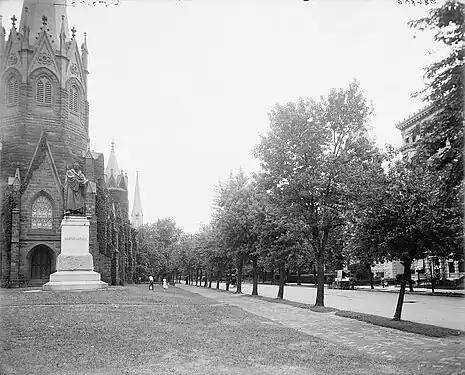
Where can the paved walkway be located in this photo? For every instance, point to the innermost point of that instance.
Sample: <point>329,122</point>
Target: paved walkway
<point>442,311</point>
<point>432,355</point>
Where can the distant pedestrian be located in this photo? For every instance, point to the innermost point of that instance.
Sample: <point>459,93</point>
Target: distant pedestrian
<point>150,282</point>
<point>165,284</point>
<point>187,280</point>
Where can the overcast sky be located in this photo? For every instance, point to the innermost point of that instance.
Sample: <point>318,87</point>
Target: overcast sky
<point>184,87</point>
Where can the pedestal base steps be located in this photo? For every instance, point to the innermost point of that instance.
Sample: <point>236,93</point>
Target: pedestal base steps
<point>74,280</point>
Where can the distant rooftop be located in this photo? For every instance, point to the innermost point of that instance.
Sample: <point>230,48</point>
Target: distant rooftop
<point>417,116</point>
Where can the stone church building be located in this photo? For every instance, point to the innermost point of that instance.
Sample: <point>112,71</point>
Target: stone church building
<point>44,129</point>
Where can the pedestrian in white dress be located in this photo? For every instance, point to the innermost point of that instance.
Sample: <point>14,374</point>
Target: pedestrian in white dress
<point>165,284</point>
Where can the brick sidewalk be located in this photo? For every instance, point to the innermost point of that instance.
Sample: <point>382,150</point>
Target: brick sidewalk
<point>432,355</point>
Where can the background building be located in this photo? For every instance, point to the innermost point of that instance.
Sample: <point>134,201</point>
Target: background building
<point>411,130</point>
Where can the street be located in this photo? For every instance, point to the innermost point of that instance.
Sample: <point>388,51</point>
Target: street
<point>441,311</point>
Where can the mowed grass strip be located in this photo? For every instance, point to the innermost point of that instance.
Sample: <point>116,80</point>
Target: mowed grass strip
<point>403,325</point>
<point>130,330</point>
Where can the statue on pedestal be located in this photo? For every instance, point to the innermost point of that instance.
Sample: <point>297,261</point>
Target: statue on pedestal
<point>75,191</point>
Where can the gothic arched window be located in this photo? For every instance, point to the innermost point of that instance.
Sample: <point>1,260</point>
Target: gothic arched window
<point>44,91</point>
<point>42,213</point>
<point>12,91</point>
<point>73,98</point>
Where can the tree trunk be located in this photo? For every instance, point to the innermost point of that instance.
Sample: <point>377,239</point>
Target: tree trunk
<point>218,277</point>
<point>255,275</point>
<point>320,292</point>
<point>315,280</point>
<point>211,278</point>
<point>239,276</point>
<point>228,280</point>
<point>403,283</point>
<point>298,277</point>
<point>196,276</point>
<point>282,272</point>
<point>370,276</point>
<point>200,277</point>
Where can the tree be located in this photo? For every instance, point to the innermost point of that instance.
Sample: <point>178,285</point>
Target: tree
<point>184,257</point>
<point>442,143</point>
<point>400,224</point>
<point>311,158</point>
<point>234,218</point>
<point>157,242</point>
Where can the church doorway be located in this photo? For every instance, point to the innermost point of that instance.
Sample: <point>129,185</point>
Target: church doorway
<point>41,258</point>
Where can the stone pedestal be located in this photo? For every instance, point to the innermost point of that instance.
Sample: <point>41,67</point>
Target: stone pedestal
<point>75,265</point>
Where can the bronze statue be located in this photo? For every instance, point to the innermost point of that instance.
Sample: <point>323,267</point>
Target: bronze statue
<point>75,191</point>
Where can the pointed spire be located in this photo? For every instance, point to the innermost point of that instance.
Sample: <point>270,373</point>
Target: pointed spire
<point>63,27</point>
<point>111,181</point>
<point>25,19</point>
<point>2,37</point>
<point>16,180</point>
<point>85,53</point>
<point>122,181</point>
<point>26,30</point>
<point>84,44</point>
<point>112,166</point>
<point>137,217</point>
<point>63,36</point>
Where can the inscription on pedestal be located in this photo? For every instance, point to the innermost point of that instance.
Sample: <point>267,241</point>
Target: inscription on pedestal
<point>75,236</point>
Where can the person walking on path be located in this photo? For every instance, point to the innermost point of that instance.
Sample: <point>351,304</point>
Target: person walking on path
<point>165,284</point>
<point>150,282</point>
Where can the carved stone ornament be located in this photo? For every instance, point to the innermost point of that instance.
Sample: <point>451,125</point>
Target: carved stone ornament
<point>74,69</point>
<point>12,59</point>
<point>44,59</point>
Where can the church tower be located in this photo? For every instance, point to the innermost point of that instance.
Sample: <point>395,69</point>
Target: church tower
<point>44,128</point>
<point>43,88</point>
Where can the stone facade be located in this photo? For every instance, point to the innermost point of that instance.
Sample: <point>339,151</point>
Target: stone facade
<point>411,129</point>
<point>44,128</point>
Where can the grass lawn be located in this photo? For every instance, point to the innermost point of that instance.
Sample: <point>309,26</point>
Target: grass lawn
<point>402,325</point>
<point>130,330</point>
